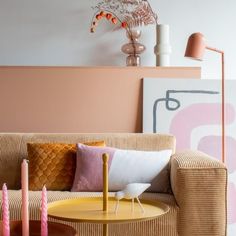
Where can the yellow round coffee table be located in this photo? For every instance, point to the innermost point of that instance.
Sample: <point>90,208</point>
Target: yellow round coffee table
<point>90,210</point>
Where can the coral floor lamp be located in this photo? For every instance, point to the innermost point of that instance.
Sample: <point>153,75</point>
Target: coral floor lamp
<point>195,49</point>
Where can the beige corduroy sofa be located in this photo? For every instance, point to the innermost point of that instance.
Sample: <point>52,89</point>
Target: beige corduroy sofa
<point>198,182</point>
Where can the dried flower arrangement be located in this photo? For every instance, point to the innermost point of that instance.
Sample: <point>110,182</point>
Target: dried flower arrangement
<point>125,13</point>
<point>129,13</point>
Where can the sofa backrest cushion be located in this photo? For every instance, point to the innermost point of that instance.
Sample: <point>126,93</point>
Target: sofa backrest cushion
<point>13,147</point>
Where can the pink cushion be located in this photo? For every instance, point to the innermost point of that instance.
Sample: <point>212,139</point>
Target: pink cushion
<point>88,175</point>
<point>124,167</point>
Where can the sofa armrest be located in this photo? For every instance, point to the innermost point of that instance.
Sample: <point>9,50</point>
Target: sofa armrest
<point>199,184</point>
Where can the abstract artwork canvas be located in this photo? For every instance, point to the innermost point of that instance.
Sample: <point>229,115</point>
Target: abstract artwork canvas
<point>190,109</point>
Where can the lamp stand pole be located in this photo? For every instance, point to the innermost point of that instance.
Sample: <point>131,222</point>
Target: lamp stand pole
<point>222,100</point>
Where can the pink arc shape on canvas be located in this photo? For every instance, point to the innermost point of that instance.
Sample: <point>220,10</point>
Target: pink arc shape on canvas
<point>212,145</point>
<point>197,115</point>
<point>231,204</point>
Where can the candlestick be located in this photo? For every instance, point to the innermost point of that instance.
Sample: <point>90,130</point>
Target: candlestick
<point>5,211</point>
<point>25,198</point>
<point>44,214</point>
<point>105,158</point>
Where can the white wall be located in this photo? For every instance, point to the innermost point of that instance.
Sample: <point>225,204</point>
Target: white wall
<point>56,32</point>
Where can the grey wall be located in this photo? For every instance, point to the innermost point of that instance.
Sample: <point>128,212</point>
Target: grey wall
<point>56,32</point>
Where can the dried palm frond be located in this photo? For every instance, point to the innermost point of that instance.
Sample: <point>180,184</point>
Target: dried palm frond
<point>142,15</point>
<point>132,2</point>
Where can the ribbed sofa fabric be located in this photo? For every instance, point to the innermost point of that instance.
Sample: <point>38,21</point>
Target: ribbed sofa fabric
<point>198,182</point>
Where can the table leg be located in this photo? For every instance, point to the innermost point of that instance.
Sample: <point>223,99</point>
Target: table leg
<point>105,230</point>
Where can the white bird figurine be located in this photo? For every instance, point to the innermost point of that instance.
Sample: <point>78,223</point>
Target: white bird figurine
<point>131,191</point>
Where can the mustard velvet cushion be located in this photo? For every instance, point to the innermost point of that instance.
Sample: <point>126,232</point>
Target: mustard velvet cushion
<point>53,165</point>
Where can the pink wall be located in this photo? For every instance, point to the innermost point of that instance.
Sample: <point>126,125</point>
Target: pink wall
<point>77,99</point>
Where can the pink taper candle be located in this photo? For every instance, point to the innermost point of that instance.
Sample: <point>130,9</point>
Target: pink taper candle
<point>5,212</point>
<point>44,214</point>
<point>25,198</point>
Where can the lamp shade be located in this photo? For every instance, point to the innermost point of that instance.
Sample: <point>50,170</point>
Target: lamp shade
<point>196,46</point>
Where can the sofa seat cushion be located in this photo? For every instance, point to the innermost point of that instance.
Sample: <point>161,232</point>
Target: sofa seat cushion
<point>165,225</point>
